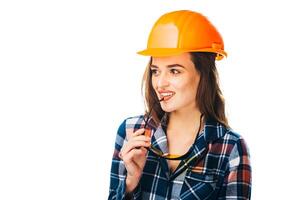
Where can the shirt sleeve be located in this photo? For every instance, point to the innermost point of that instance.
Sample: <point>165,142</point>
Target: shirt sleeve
<point>237,181</point>
<point>118,171</point>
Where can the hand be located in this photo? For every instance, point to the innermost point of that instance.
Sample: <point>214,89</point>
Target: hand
<point>133,153</point>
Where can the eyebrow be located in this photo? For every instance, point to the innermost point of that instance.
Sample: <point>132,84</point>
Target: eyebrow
<point>169,66</point>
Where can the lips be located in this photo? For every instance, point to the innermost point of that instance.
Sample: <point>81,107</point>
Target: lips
<point>166,94</point>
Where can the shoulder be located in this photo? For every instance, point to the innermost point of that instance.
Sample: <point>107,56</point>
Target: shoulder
<point>226,142</point>
<point>232,135</point>
<point>239,151</point>
<point>237,139</point>
<point>215,132</point>
<point>133,122</point>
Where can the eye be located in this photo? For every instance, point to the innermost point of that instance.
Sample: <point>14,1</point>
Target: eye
<point>175,71</point>
<point>154,71</point>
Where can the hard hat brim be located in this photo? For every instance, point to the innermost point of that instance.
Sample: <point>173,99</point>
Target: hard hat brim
<point>161,52</point>
<point>158,52</point>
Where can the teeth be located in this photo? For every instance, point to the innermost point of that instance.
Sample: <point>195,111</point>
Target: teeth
<point>166,94</point>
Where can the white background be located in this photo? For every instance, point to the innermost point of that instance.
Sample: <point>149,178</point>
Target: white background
<point>69,75</point>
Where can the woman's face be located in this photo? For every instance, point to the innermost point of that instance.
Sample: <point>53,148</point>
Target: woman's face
<point>176,79</point>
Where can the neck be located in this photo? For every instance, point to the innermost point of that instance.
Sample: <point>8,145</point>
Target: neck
<point>187,120</point>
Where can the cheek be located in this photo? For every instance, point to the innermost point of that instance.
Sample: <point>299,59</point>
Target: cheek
<point>195,82</point>
<point>187,85</point>
<point>153,83</point>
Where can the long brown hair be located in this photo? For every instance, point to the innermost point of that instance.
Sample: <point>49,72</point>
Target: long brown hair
<point>209,97</point>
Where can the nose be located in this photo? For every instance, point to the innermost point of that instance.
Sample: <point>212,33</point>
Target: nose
<point>162,80</point>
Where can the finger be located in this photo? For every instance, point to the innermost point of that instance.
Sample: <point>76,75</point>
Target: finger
<point>136,133</point>
<point>134,153</point>
<point>137,138</point>
<point>134,144</point>
<point>139,132</point>
<point>140,157</point>
<point>140,138</point>
<point>141,152</point>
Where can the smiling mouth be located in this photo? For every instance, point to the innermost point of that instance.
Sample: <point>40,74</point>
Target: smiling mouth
<point>166,96</point>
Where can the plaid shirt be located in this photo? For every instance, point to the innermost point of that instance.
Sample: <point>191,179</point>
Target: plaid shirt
<point>217,168</point>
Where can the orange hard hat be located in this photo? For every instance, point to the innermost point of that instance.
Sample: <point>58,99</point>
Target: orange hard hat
<point>183,31</point>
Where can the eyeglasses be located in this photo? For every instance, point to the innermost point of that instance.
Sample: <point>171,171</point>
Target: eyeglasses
<point>157,151</point>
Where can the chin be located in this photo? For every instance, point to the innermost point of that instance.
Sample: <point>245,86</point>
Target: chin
<point>168,108</point>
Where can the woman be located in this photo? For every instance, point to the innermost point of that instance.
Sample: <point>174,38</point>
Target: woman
<point>183,147</point>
